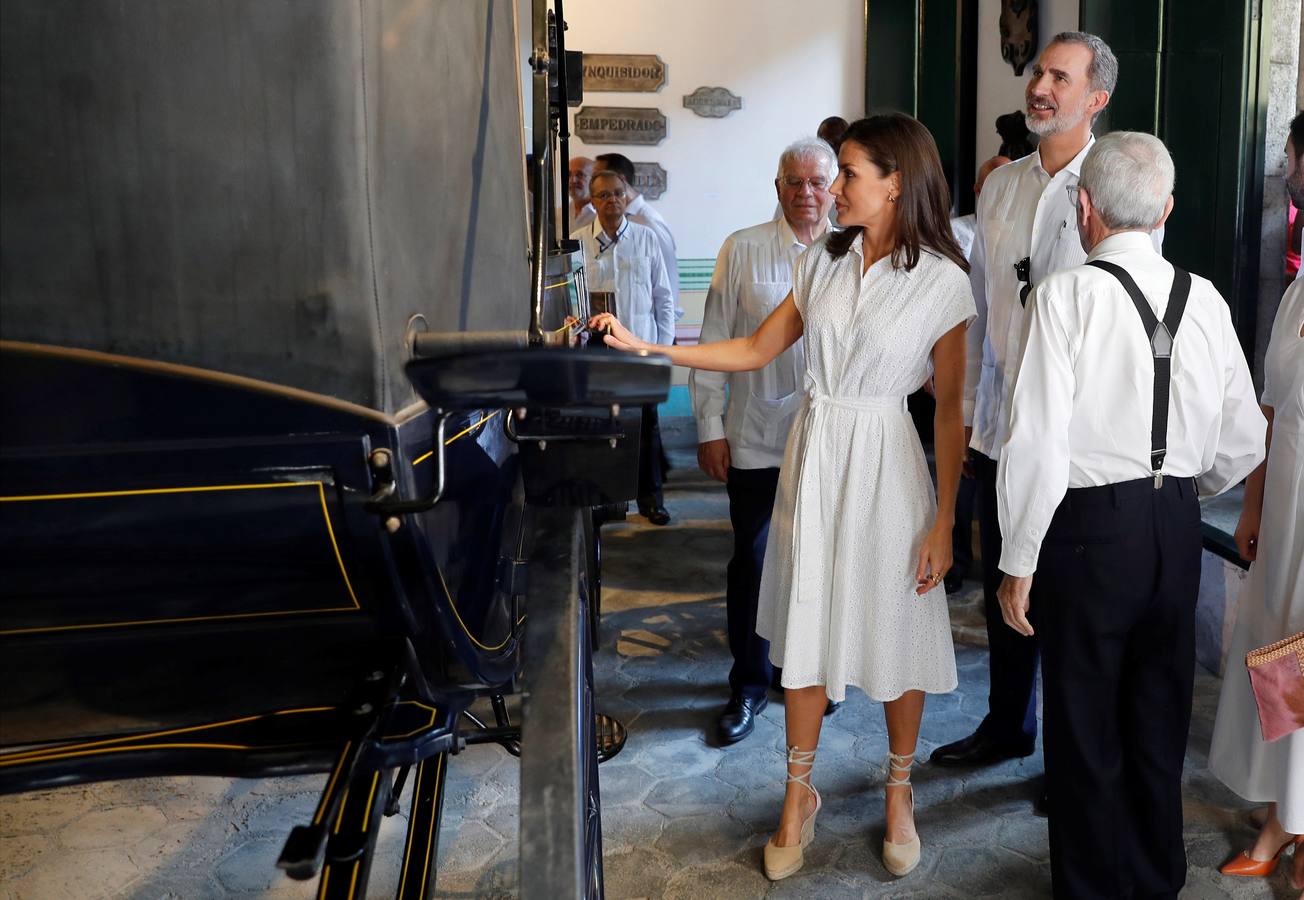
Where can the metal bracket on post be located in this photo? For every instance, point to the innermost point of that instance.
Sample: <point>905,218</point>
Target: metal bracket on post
<point>385,502</point>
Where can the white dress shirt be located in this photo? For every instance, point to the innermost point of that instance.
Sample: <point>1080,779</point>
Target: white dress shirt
<point>583,218</point>
<point>753,273</point>
<point>631,266</point>
<point>1082,401</point>
<point>641,212</point>
<point>963,229</point>
<point>1022,212</point>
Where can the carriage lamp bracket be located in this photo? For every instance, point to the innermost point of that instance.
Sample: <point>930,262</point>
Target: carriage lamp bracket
<point>385,501</point>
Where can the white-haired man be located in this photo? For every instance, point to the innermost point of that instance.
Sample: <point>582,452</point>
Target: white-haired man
<point>1132,399</point>
<point>741,438</point>
<point>622,260</point>
<point>1026,230</point>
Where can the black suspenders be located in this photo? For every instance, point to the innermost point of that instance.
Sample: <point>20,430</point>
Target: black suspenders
<point>1162,335</point>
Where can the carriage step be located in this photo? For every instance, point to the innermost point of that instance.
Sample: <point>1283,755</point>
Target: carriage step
<point>304,852</point>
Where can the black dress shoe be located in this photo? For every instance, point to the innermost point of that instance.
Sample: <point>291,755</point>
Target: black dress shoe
<point>739,718</point>
<point>654,512</point>
<point>834,706</point>
<point>658,515</point>
<point>976,750</point>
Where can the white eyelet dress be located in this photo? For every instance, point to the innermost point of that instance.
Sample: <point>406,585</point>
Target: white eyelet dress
<point>855,500</point>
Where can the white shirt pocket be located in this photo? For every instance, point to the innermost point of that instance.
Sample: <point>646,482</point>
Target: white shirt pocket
<point>778,379</point>
<point>634,295</point>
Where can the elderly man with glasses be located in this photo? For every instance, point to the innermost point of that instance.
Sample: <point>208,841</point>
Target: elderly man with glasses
<point>742,434</point>
<point>1132,400</point>
<point>627,277</point>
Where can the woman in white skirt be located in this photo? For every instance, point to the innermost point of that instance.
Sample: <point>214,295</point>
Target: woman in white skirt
<point>1270,535</point>
<point>851,587</point>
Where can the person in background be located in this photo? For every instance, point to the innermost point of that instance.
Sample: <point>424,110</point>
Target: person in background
<point>577,182</point>
<point>640,212</point>
<point>623,260</point>
<point>1270,535</point>
<point>964,226</point>
<point>1133,400</point>
<point>831,131</point>
<point>743,418</point>
<point>1294,238</point>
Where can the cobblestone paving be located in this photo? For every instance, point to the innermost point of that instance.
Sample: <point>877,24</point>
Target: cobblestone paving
<point>681,817</point>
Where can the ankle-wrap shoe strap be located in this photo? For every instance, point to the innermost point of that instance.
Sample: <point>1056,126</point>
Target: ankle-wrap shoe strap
<point>898,763</point>
<point>801,758</point>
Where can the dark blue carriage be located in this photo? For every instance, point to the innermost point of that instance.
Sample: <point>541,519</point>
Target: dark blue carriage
<point>235,537</point>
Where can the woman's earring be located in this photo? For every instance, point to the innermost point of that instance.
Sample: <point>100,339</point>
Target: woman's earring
<point>891,198</point>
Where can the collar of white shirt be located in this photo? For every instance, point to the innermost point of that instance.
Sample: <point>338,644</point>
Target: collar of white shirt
<point>601,236</point>
<point>1124,242</point>
<point>788,237</point>
<point>1074,166</point>
<point>858,246</point>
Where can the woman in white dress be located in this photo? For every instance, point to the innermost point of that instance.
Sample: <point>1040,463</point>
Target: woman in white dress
<point>851,587</point>
<point>1270,534</point>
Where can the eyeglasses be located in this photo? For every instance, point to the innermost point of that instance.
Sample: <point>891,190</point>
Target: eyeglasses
<point>1072,191</point>
<point>609,195</point>
<point>815,184</point>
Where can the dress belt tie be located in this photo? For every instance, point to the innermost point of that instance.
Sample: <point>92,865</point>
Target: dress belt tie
<point>809,571</point>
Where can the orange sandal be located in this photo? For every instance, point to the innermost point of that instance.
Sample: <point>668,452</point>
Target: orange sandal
<point>1246,865</point>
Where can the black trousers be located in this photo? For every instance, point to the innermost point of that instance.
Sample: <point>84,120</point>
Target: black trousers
<point>1011,718</point>
<point>650,456</point>
<point>962,534</point>
<point>751,500</point>
<point>1116,588</point>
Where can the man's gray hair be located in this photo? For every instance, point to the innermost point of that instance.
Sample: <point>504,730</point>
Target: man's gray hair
<point>809,148</point>
<point>1103,71</point>
<point>1129,177</point>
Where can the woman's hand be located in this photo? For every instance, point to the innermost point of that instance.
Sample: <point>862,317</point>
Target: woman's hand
<point>934,558</point>
<point>1247,533</point>
<point>617,335</point>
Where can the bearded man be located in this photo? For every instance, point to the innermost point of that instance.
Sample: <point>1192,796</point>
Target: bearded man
<point>1026,231</point>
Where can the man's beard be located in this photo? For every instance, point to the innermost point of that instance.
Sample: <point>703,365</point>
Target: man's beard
<point>1295,184</point>
<point>1062,121</point>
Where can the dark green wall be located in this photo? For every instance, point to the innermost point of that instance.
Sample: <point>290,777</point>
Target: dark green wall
<point>1191,72</point>
<point>921,59</point>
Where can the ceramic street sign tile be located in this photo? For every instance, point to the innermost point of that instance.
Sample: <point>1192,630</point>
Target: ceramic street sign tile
<point>713,102</point>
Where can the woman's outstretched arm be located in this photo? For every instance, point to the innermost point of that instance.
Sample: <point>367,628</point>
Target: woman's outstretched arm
<point>777,333</point>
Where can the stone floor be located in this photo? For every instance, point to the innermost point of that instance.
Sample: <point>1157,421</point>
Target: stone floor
<point>681,818</point>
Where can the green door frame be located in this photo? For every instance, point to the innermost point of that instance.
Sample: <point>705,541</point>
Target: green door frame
<point>922,59</point>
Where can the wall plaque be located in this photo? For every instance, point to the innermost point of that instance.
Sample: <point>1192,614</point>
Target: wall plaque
<point>620,125</point>
<point>649,179</point>
<point>713,102</point>
<point>623,72</point>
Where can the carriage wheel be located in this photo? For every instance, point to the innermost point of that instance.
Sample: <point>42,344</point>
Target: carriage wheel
<point>561,813</point>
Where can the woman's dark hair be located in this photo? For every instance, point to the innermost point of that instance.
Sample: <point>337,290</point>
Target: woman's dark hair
<point>897,143</point>
<point>1297,133</point>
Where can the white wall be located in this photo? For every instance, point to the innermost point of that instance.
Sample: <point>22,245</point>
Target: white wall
<point>791,67</point>
<point>999,90</point>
